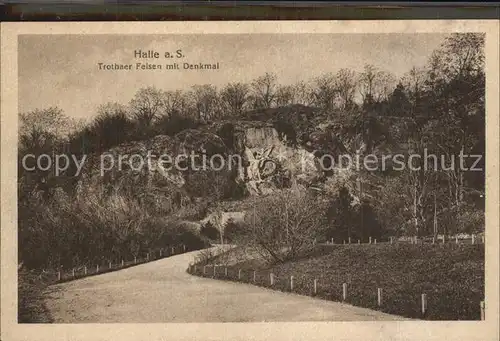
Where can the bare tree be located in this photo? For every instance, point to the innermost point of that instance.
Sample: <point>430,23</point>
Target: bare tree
<point>413,83</point>
<point>234,97</point>
<point>456,84</point>
<point>324,91</point>
<point>375,85</point>
<point>175,103</point>
<point>147,105</point>
<point>283,226</point>
<point>463,54</point>
<point>303,93</point>
<point>346,83</point>
<point>263,91</point>
<point>112,108</point>
<point>42,127</point>
<point>298,93</point>
<point>206,101</point>
<point>285,95</point>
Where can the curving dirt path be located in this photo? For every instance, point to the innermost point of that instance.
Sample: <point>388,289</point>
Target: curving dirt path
<point>162,291</point>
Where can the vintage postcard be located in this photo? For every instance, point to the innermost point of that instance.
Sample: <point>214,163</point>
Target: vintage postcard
<point>250,180</point>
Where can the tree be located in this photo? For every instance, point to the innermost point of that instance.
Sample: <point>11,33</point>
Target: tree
<point>463,55</point>
<point>110,127</point>
<point>285,95</point>
<point>340,216</point>
<point>234,97</point>
<point>206,101</point>
<point>284,226</point>
<point>455,91</point>
<point>147,105</point>
<point>375,85</point>
<point>303,93</point>
<point>263,91</point>
<point>41,131</point>
<point>366,222</point>
<point>42,128</point>
<point>399,105</point>
<point>413,84</point>
<point>345,83</point>
<point>175,104</point>
<point>324,92</point>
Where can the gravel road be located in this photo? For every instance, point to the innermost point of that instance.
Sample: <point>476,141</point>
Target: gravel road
<point>162,291</point>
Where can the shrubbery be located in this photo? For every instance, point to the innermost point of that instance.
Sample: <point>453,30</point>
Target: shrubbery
<point>285,225</point>
<point>93,228</point>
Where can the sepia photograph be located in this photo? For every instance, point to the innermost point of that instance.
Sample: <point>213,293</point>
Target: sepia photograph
<point>237,177</point>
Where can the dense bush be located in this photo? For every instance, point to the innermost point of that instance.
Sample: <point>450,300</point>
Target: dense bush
<point>91,228</point>
<point>284,225</point>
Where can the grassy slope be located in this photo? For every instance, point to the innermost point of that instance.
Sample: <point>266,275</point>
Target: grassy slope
<point>452,276</point>
<point>31,307</point>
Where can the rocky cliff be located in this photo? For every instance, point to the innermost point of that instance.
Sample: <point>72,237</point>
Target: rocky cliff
<point>261,154</point>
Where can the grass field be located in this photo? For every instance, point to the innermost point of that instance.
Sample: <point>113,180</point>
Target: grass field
<point>451,276</point>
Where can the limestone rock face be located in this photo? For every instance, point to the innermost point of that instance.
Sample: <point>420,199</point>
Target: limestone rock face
<point>269,160</point>
<point>265,161</point>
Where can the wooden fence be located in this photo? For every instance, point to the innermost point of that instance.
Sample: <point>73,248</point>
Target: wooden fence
<point>440,239</point>
<point>65,275</point>
<point>309,286</point>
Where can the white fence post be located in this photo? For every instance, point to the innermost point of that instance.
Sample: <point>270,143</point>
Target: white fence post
<point>73,272</point>
<point>473,238</point>
<point>379,297</point>
<point>239,274</point>
<point>344,291</point>
<point>110,265</point>
<point>391,240</point>
<point>291,283</point>
<point>349,240</point>
<point>370,240</point>
<point>59,275</point>
<point>271,278</point>
<point>85,270</point>
<point>456,239</point>
<point>424,304</point>
<point>315,286</point>
<point>254,276</point>
<point>97,268</point>
<point>123,262</point>
<point>375,241</point>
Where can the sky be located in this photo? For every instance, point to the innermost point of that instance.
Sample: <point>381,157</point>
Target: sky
<point>62,70</point>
